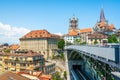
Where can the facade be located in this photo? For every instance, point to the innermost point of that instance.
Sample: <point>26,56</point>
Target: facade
<point>103,26</point>
<point>49,68</point>
<point>41,41</point>
<point>97,38</point>
<point>70,38</point>
<point>84,33</point>
<point>21,61</point>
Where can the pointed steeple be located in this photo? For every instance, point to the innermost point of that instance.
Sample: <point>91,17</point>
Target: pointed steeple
<point>102,16</point>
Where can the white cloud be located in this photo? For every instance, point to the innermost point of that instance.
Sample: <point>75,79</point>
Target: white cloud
<point>11,34</point>
<point>59,33</point>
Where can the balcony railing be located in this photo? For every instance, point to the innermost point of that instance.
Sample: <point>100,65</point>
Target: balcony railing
<point>18,61</point>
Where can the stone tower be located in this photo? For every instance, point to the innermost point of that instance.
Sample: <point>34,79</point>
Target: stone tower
<point>73,24</point>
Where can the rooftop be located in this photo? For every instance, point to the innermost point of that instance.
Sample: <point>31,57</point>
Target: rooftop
<point>11,76</point>
<point>86,30</point>
<point>14,46</point>
<point>73,32</point>
<point>97,35</point>
<point>40,34</point>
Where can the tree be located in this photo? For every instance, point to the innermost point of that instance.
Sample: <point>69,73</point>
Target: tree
<point>61,44</point>
<point>113,39</point>
<point>62,56</point>
<point>95,42</point>
<point>7,50</point>
<point>77,41</point>
<point>65,75</point>
<point>56,76</point>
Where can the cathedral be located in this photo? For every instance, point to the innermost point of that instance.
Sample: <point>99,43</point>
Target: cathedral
<point>103,26</point>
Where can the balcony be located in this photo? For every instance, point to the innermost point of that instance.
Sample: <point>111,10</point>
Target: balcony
<point>17,61</point>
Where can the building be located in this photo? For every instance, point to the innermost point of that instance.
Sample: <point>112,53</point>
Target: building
<point>41,41</point>
<point>70,38</point>
<point>97,38</point>
<point>49,68</point>
<point>103,26</point>
<point>21,61</point>
<point>84,33</point>
<point>73,31</point>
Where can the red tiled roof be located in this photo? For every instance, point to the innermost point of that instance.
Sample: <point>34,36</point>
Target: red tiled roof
<point>112,26</point>
<point>40,34</point>
<point>73,32</point>
<point>102,24</point>
<point>86,30</point>
<point>45,77</point>
<point>11,76</point>
<point>97,35</point>
<point>14,46</point>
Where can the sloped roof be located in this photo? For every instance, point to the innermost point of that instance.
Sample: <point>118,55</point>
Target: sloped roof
<point>97,35</point>
<point>11,76</point>
<point>45,77</point>
<point>40,34</point>
<point>73,32</point>
<point>112,26</point>
<point>102,24</point>
<point>86,30</point>
<point>14,46</point>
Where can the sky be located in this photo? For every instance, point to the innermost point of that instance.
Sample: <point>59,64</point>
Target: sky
<point>18,17</point>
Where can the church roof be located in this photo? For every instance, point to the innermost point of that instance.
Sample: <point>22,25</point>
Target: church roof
<point>86,30</point>
<point>102,24</point>
<point>102,16</point>
<point>112,26</point>
<point>73,32</point>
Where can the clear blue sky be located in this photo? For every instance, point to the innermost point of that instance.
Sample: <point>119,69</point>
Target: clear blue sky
<point>54,15</point>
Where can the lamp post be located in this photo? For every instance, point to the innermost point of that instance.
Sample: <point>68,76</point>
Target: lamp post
<point>119,43</point>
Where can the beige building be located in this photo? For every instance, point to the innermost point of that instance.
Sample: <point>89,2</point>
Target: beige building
<point>49,68</point>
<point>21,61</point>
<point>84,33</point>
<point>41,41</point>
<point>97,38</point>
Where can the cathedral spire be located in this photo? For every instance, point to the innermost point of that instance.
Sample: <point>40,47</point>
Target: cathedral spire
<point>102,16</point>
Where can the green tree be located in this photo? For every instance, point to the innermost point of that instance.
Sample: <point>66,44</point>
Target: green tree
<point>56,76</point>
<point>95,42</point>
<point>77,41</point>
<point>65,75</point>
<point>61,44</point>
<point>7,51</point>
<point>62,56</point>
<point>83,43</point>
<point>113,39</point>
